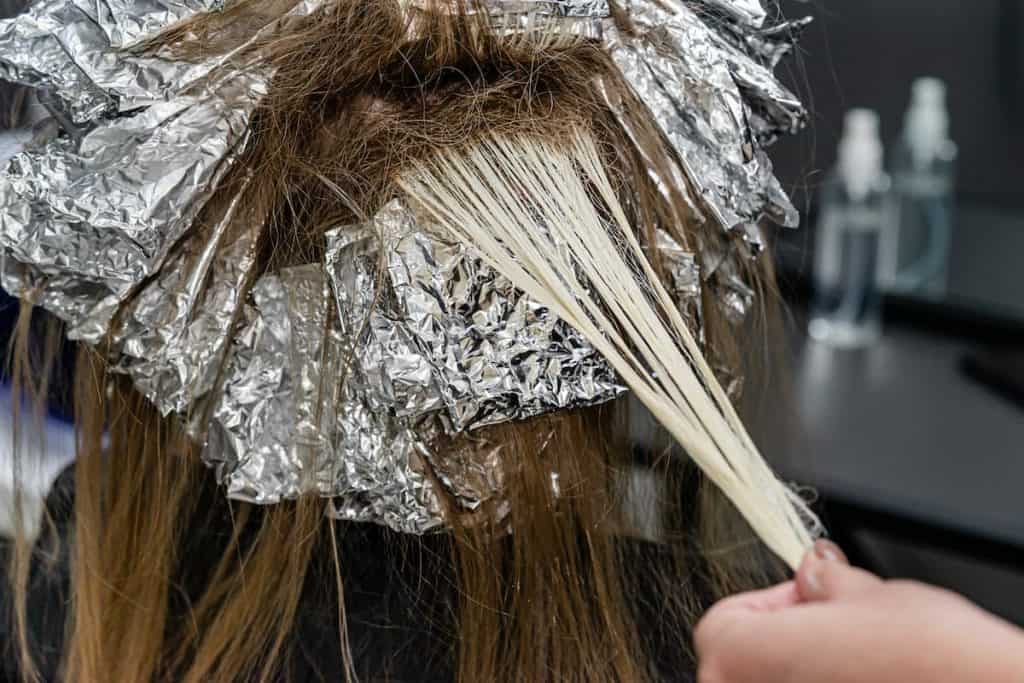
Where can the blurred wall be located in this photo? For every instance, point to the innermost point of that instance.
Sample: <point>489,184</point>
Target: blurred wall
<point>868,52</point>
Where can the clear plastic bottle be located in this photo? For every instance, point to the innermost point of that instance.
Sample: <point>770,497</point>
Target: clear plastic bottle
<point>915,252</point>
<point>854,214</point>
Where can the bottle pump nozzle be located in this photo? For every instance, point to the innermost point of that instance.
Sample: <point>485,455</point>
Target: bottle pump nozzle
<point>860,153</point>
<point>926,125</point>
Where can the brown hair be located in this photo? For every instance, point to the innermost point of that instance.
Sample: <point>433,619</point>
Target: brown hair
<point>544,590</point>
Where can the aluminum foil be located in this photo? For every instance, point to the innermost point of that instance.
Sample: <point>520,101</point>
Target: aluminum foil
<point>715,103</point>
<point>86,216</point>
<point>284,427</point>
<point>748,13</point>
<point>683,280</point>
<point>172,336</point>
<point>733,295</point>
<point>261,427</point>
<point>577,18</point>
<point>539,24</point>
<point>32,52</point>
<point>342,377</point>
<point>67,49</point>
<point>127,22</point>
<point>83,222</point>
<point>428,343</point>
<point>667,181</point>
<point>557,8</point>
<point>64,48</point>
<point>450,334</point>
<point>772,45</point>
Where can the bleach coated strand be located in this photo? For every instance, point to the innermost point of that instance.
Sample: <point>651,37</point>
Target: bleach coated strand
<point>546,216</point>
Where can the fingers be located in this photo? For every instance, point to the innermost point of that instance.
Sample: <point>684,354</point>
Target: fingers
<point>826,575</point>
<point>737,607</point>
<point>769,599</point>
<point>766,635</point>
<point>750,638</point>
<point>828,551</point>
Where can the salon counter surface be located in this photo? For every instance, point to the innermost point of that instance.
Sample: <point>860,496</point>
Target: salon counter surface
<point>899,430</point>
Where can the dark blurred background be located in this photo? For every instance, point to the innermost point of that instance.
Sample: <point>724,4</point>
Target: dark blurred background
<point>867,53</point>
<point>916,442</point>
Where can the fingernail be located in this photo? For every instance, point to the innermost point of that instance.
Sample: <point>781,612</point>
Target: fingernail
<point>829,552</point>
<point>812,584</point>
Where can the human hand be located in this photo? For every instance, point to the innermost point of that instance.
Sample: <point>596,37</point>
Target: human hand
<point>837,624</point>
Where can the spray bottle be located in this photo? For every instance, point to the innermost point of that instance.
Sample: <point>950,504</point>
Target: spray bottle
<point>854,213</point>
<point>915,252</point>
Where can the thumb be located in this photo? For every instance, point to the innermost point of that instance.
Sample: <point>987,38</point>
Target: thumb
<point>825,575</point>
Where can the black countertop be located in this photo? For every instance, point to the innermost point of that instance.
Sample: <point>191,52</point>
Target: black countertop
<point>899,428</point>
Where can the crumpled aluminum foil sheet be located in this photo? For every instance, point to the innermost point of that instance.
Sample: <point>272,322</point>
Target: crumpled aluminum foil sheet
<point>449,333</point>
<point>128,22</point>
<point>684,280</point>
<point>435,346</point>
<point>774,44</point>
<point>172,336</point>
<point>556,8</point>
<point>748,13</point>
<point>578,18</point>
<point>675,180</point>
<point>735,297</point>
<point>283,426</point>
<point>720,275</point>
<point>261,429</point>
<point>36,49</point>
<point>63,47</point>
<point>83,222</point>
<point>706,94</point>
<point>67,49</point>
<point>530,23</point>
<point>86,216</point>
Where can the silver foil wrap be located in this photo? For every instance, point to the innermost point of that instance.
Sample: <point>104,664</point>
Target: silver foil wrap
<point>731,291</point>
<point>172,336</point>
<point>673,179</point>
<point>748,13</point>
<point>576,18</point>
<point>449,334</point>
<point>127,22</point>
<point>67,50</point>
<point>715,102</point>
<point>683,275</point>
<point>284,426</point>
<point>263,428</point>
<point>86,216</point>
<point>64,48</point>
<point>83,222</point>
<point>340,378</point>
<point>773,44</point>
<point>586,9</point>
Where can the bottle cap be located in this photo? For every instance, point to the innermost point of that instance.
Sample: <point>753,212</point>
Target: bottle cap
<point>860,152</point>
<point>926,124</point>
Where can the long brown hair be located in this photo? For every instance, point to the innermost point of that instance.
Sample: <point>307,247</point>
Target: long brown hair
<point>543,589</point>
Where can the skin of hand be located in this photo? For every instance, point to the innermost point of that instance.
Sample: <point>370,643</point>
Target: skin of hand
<point>837,624</point>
